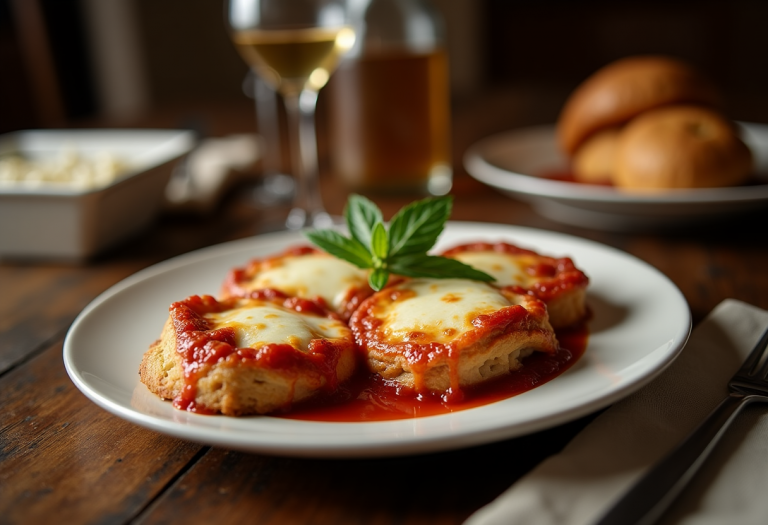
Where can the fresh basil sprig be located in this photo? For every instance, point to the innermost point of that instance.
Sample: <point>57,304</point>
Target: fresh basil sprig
<point>400,249</point>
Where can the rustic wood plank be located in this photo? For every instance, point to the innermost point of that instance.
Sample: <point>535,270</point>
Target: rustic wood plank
<point>61,456</point>
<point>65,460</point>
<point>41,301</point>
<point>711,262</point>
<point>441,488</point>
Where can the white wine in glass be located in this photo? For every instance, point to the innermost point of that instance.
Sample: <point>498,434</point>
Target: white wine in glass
<point>294,46</point>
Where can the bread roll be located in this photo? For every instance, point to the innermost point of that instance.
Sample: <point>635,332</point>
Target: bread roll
<point>624,89</point>
<point>593,161</point>
<point>680,147</point>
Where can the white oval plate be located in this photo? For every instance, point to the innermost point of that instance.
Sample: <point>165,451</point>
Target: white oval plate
<point>641,322</point>
<point>514,162</point>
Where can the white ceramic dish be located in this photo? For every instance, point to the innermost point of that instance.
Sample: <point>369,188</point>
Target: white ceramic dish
<point>63,222</point>
<point>514,162</point>
<point>641,322</point>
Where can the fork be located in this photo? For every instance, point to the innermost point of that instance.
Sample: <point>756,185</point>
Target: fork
<point>647,500</point>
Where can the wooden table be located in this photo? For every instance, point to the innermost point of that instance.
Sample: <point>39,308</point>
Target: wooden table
<point>65,460</point>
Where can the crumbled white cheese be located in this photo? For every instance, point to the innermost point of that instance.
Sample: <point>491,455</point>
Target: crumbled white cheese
<point>69,168</point>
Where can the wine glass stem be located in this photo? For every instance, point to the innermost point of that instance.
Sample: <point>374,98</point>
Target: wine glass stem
<point>308,207</point>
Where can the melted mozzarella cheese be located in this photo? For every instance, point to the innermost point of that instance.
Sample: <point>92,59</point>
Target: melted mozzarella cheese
<point>258,325</point>
<point>506,268</point>
<point>312,276</point>
<point>440,308</point>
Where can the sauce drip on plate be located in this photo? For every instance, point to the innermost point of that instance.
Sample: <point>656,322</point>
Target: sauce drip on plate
<point>367,397</point>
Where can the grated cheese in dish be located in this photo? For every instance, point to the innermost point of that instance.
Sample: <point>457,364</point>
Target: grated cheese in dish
<point>68,169</point>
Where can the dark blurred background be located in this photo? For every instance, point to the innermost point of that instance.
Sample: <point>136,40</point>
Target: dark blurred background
<point>63,62</point>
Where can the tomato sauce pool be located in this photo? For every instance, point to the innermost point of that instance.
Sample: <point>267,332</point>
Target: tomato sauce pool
<point>369,398</point>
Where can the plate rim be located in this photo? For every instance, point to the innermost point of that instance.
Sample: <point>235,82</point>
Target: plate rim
<point>480,168</point>
<point>371,448</point>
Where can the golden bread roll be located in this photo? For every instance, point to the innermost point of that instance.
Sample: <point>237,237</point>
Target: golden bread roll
<point>680,147</point>
<point>593,161</point>
<point>623,89</point>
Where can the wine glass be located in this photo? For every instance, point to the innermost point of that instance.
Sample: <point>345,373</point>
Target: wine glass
<point>294,46</point>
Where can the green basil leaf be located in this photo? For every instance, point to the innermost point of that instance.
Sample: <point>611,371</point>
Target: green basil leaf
<point>420,265</point>
<point>362,216</point>
<point>380,242</point>
<point>342,247</point>
<point>416,227</point>
<point>378,279</point>
<point>402,248</point>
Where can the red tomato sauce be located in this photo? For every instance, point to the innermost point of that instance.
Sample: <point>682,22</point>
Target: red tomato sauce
<point>367,397</point>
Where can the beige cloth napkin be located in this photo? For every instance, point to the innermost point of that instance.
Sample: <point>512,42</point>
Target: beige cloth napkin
<point>579,484</point>
<point>213,167</point>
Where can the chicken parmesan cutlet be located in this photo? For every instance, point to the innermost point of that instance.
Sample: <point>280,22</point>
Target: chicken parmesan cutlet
<point>440,335</point>
<point>556,281</point>
<point>241,356</point>
<point>303,272</point>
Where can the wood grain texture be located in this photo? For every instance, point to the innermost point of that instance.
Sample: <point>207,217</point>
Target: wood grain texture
<point>65,460</point>
<point>442,488</point>
<point>40,302</point>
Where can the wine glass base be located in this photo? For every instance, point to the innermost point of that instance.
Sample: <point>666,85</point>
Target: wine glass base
<point>276,188</point>
<point>298,218</point>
